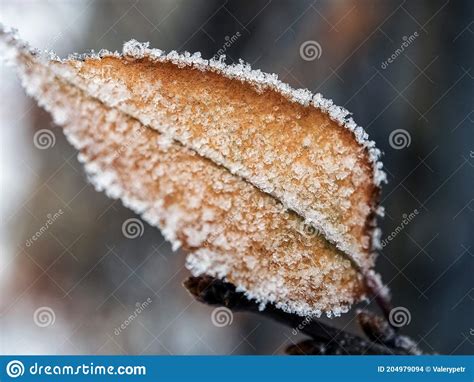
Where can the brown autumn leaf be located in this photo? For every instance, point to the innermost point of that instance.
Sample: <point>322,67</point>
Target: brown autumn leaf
<point>268,187</point>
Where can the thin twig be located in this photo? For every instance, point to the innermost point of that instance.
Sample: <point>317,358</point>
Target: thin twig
<point>379,292</point>
<point>325,339</point>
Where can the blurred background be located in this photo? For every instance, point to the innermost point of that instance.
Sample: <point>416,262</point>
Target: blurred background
<point>403,68</point>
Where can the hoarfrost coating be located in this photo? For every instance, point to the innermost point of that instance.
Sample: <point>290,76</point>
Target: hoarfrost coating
<point>221,143</point>
<point>114,93</point>
<point>298,273</point>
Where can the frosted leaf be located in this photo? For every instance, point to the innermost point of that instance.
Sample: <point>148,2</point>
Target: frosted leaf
<point>203,182</point>
<point>224,113</point>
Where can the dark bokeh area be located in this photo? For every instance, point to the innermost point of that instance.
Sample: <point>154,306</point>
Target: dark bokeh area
<point>404,69</point>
